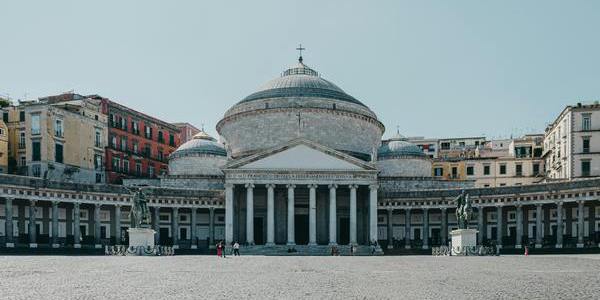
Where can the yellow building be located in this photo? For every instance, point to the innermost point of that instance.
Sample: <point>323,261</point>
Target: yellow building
<point>3,147</point>
<point>447,169</point>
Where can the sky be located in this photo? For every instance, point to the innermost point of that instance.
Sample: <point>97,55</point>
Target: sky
<point>426,68</point>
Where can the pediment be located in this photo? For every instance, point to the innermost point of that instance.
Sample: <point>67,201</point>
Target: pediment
<point>301,154</point>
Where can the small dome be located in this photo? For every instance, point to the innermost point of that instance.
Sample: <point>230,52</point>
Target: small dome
<point>399,147</point>
<point>201,143</point>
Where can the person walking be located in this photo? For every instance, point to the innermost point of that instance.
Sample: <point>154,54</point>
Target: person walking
<point>219,250</point>
<point>351,250</point>
<point>236,249</point>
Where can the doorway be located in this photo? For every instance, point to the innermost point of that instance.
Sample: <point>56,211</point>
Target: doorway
<point>164,236</point>
<point>344,231</point>
<point>301,227</point>
<point>258,231</point>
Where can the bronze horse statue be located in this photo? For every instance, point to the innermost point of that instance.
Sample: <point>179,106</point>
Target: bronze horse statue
<point>464,210</point>
<point>140,213</point>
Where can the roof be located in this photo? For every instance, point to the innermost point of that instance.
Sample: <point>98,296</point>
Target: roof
<point>201,143</point>
<point>398,147</point>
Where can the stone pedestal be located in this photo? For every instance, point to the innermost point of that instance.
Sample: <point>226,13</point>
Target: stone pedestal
<point>141,237</point>
<point>463,240</point>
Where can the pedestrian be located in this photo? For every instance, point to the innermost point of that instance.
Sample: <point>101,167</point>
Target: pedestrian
<point>224,246</point>
<point>219,250</point>
<point>351,250</point>
<point>236,249</point>
<point>526,251</point>
<point>373,248</point>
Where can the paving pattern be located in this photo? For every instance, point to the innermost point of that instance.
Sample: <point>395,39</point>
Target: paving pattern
<point>259,277</point>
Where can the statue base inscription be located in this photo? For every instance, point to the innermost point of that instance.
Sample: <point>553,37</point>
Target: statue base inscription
<point>141,237</point>
<point>463,240</point>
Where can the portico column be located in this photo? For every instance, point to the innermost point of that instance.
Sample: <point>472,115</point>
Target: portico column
<point>175,227</point>
<point>538,226</point>
<point>193,229</point>
<point>519,237</point>
<point>211,228</point>
<point>480,228</point>
<point>8,225</point>
<point>291,240</point>
<point>250,213</point>
<point>499,226</point>
<point>312,215</point>
<point>390,228</point>
<point>559,224</point>
<point>118,236</point>
<point>425,228</point>
<point>32,218</point>
<point>373,212</point>
<point>228,213</point>
<point>332,215</point>
<point>444,226</point>
<point>353,240</point>
<point>76,226</point>
<point>270,214</point>
<point>156,218</point>
<point>97,236</point>
<point>407,228</point>
<point>580,224</point>
<point>55,224</point>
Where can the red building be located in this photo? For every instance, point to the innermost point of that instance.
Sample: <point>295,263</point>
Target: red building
<point>187,131</point>
<point>138,145</point>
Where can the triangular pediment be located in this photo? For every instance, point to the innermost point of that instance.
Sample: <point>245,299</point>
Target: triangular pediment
<point>301,154</point>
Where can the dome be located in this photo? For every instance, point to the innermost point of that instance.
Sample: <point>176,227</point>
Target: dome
<point>303,81</point>
<point>398,147</point>
<point>201,143</point>
<point>398,157</point>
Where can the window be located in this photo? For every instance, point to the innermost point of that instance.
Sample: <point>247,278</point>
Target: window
<point>439,172</point>
<point>445,146</point>
<point>5,117</point>
<point>58,128</point>
<point>134,127</point>
<point>113,142</point>
<point>123,143</point>
<point>518,170</point>
<point>21,116</point>
<point>135,147</point>
<point>171,140</point>
<point>586,122</point>
<point>150,171</point>
<point>35,151</point>
<point>147,150</point>
<point>586,144</point>
<point>58,153</point>
<point>161,139</point>
<point>23,161</point>
<point>116,163</point>
<point>502,169</point>
<point>98,178</point>
<point>36,170</point>
<point>97,161</point>
<point>536,169</point>
<point>35,124</point>
<point>148,132</point>
<point>125,166</point>
<point>138,169</point>
<point>470,170</point>
<point>461,144</point>
<point>454,172</point>
<point>22,140</point>
<point>123,124</point>
<point>585,167</point>
<point>160,155</point>
<point>486,170</point>
<point>98,139</point>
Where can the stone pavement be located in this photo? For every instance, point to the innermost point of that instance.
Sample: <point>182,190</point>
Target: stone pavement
<point>209,277</point>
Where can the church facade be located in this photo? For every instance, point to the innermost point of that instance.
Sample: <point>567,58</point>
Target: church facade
<point>300,164</point>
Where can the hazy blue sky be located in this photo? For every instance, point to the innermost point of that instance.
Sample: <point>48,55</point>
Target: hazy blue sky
<point>434,68</point>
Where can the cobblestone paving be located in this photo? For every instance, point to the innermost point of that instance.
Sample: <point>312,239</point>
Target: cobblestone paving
<point>400,277</point>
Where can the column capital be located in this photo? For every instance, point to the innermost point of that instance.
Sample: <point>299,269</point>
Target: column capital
<point>97,205</point>
<point>76,204</point>
<point>119,205</point>
<point>390,209</point>
<point>290,186</point>
<point>249,185</point>
<point>373,186</point>
<point>270,185</point>
<point>444,209</point>
<point>425,209</point>
<point>228,185</point>
<point>313,186</point>
<point>193,209</point>
<point>539,204</point>
<point>580,202</point>
<point>32,202</point>
<point>55,202</point>
<point>558,203</point>
<point>332,186</point>
<point>353,186</point>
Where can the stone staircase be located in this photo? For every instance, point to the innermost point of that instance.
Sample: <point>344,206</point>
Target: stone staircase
<point>303,250</point>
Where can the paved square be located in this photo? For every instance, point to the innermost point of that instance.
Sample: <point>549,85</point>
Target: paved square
<point>57,277</point>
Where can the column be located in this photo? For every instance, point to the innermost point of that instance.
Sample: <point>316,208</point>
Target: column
<point>480,215</point>
<point>211,228</point>
<point>8,225</point>
<point>228,213</point>
<point>444,226</point>
<point>118,236</point>
<point>156,217</point>
<point>580,224</point>
<point>373,212</point>
<point>425,228</point>
<point>291,240</point>
<point>175,227</point>
<point>390,228</point>
<point>193,229</point>
<point>332,215</point>
<point>519,237</point>
<point>407,228</point>
<point>538,226</point>
<point>499,226</point>
<point>250,213</point>
<point>97,237</point>
<point>559,224</point>
<point>55,224</point>
<point>312,215</point>
<point>32,231</point>
<point>76,226</point>
<point>353,239</point>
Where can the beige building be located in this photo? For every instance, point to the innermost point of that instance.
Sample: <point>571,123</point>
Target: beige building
<point>63,140</point>
<point>14,118</point>
<point>572,143</point>
<point>3,147</point>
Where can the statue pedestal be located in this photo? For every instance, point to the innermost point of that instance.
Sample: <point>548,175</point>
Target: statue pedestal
<point>464,241</point>
<point>141,237</point>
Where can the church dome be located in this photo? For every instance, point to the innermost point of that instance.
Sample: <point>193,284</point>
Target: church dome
<point>202,155</point>
<point>398,147</point>
<point>398,157</point>
<point>300,104</point>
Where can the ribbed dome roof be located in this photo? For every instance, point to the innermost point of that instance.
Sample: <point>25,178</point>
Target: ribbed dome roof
<point>397,147</point>
<point>301,81</point>
<point>201,143</point>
